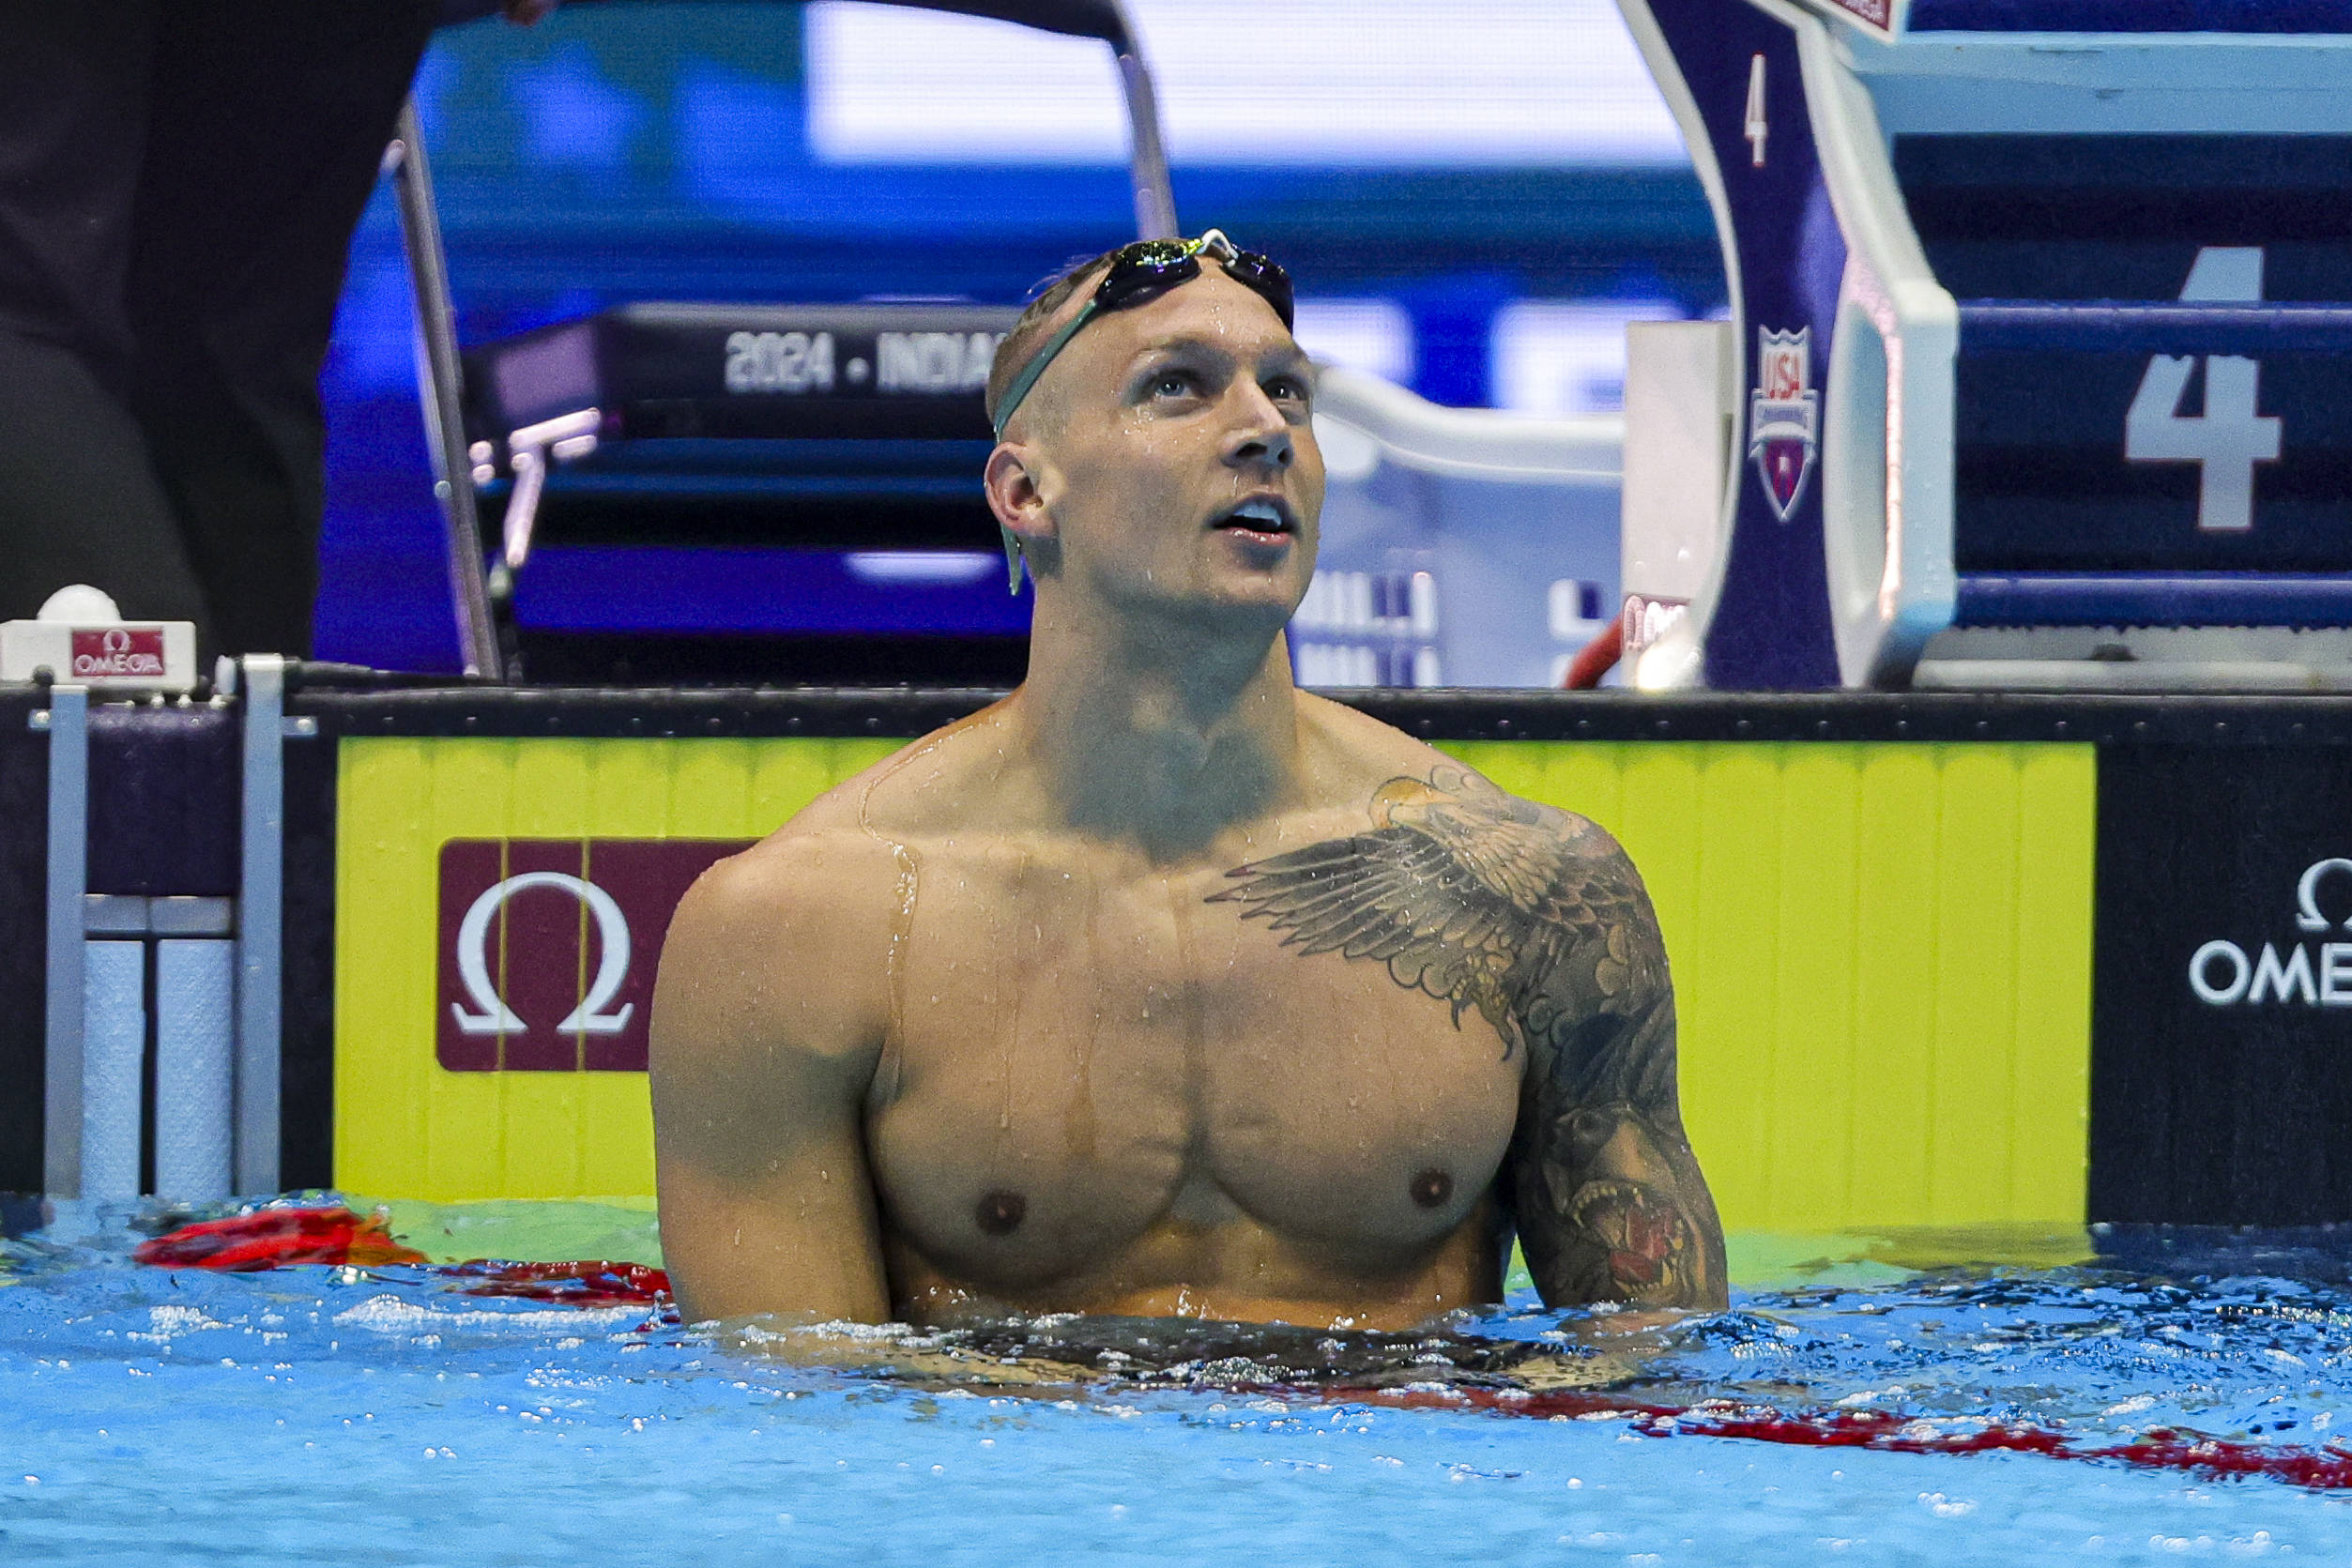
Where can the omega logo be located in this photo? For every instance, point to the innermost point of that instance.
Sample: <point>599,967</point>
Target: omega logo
<point>492,1015</point>
<point>2312,973</point>
<point>118,651</point>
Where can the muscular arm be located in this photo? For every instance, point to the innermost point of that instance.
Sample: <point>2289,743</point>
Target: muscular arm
<point>765,1034</point>
<point>1610,1200</point>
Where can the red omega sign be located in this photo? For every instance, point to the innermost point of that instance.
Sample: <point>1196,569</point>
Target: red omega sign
<point>118,651</point>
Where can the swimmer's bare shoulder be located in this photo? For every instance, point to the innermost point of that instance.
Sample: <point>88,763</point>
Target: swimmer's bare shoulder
<point>1536,917</point>
<point>768,1018</point>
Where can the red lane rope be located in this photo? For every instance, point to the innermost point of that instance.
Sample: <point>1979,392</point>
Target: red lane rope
<point>275,1238</point>
<point>2325,1469</point>
<point>594,1283</point>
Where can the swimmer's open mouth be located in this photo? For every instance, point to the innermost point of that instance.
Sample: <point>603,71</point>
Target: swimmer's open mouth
<point>1259,515</point>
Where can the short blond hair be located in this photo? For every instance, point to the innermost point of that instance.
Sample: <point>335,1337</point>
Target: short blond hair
<point>1014,352</point>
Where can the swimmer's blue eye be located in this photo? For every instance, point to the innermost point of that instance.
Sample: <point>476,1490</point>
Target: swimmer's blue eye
<point>1288,388</point>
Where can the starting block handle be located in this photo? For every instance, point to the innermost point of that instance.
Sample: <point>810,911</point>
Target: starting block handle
<point>1110,21</point>
<point>2147,327</point>
<point>440,378</point>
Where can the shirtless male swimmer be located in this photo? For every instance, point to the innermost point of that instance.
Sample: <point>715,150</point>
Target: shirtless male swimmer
<point>1160,987</point>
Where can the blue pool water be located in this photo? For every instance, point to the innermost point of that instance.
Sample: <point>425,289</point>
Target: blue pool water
<point>330,1416</point>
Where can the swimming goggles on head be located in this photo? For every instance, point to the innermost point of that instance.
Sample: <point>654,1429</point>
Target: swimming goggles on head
<point>1143,271</point>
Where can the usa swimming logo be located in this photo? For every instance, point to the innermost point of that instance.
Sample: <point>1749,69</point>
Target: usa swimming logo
<point>1878,13</point>
<point>1784,417</point>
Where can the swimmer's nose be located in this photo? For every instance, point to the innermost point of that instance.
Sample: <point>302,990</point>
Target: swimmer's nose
<point>1263,438</point>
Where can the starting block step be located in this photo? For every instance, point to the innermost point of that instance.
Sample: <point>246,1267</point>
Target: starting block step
<point>2118,16</point>
<point>2143,326</point>
<point>2174,598</point>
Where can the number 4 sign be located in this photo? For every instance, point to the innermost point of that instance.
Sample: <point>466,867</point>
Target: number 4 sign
<point>1757,128</point>
<point>2229,438</point>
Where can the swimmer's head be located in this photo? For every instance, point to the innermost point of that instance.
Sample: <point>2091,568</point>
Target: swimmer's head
<point>1154,439</point>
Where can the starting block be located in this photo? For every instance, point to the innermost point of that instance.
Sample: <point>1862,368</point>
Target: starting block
<point>2041,350</point>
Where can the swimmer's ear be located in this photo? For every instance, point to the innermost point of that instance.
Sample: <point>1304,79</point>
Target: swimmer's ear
<point>1019,506</point>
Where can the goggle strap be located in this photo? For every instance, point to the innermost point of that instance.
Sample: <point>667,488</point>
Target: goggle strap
<point>1037,363</point>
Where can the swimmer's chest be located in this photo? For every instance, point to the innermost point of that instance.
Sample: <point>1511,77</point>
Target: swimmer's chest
<point>1097,1042</point>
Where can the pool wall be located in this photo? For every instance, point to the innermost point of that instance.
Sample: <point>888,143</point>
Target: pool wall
<point>1934,953</point>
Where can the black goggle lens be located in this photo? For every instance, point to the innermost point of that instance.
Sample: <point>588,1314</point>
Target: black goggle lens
<point>1150,267</point>
<point>1144,269</point>
<point>1265,275</point>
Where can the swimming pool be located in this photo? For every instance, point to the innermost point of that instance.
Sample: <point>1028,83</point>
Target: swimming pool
<point>342,1415</point>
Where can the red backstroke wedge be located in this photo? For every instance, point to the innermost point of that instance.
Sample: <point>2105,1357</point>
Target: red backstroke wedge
<point>276,1238</point>
<point>272,1237</point>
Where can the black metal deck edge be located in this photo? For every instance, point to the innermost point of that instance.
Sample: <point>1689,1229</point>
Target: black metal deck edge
<point>2234,720</point>
<point>306,1106</point>
<point>23,940</point>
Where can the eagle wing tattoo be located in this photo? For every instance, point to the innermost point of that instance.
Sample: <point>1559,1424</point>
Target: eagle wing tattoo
<point>1536,917</point>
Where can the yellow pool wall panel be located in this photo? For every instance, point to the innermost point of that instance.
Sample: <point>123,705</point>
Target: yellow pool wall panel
<point>1882,959</point>
<point>1882,956</point>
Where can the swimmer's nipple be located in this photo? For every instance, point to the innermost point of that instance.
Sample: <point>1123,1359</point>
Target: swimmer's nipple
<point>1000,1212</point>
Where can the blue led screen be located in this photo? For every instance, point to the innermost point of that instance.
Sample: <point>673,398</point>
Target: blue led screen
<point>1470,196</point>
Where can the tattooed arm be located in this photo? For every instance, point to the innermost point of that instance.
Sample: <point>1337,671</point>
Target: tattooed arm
<point>1537,919</point>
<point>1610,1200</point>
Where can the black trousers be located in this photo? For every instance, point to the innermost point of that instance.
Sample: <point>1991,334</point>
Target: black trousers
<point>178,184</point>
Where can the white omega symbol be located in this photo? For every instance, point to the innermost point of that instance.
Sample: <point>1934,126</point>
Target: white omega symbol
<point>473,961</point>
<point>2307,915</point>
